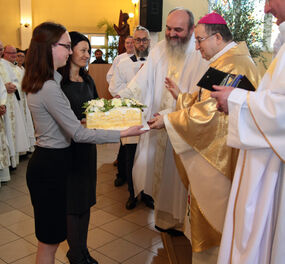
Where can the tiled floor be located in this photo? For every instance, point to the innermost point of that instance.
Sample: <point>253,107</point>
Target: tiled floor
<point>116,235</point>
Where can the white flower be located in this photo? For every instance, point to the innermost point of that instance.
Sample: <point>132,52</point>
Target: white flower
<point>116,102</point>
<point>128,102</point>
<point>99,103</point>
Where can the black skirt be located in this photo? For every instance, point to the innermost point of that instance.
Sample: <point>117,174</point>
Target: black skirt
<point>81,183</point>
<point>46,179</point>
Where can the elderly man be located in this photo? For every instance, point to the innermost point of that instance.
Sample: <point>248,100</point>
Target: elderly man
<point>10,55</point>
<point>198,134</point>
<point>123,74</point>
<point>14,121</point>
<point>254,227</point>
<point>154,168</point>
<point>129,45</point>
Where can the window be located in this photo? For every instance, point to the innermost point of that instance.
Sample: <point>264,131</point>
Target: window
<point>107,45</point>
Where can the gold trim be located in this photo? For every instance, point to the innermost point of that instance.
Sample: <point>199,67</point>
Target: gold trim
<point>266,139</point>
<point>235,205</point>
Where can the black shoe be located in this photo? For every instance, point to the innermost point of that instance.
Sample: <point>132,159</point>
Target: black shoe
<point>148,201</point>
<point>119,182</point>
<point>89,259</point>
<point>131,203</point>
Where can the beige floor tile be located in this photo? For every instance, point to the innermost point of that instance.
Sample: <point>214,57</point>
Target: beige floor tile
<point>21,188</point>
<point>23,228</point>
<point>8,193</point>
<point>4,208</point>
<point>141,217</point>
<point>120,227</point>
<point>100,217</point>
<point>118,209</point>
<point>13,217</point>
<point>30,260</point>
<point>107,177</point>
<point>2,262</point>
<point>103,188</point>
<point>101,258</point>
<point>120,250</point>
<point>16,250</point>
<point>158,249</point>
<point>61,252</point>
<point>32,239</point>
<point>143,237</point>
<point>6,236</point>
<point>98,237</point>
<point>20,201</point>
<point>118,195</point>
<point>28,210</point>
<point>103,201</point>
<point>146,257</point>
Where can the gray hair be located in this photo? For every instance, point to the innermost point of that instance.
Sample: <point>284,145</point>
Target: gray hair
<point>188,12</point>
<point>143,29</point>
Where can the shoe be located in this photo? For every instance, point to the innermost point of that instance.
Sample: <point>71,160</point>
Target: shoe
<point>148,201</point>
<point>115,163</point>
<point>131,203</point>
<point>89,259</point>
<point>119,182</point>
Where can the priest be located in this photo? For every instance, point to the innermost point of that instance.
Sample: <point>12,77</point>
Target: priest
<point>198,133</point>
<point>154,168</point>
<point>254,227</point>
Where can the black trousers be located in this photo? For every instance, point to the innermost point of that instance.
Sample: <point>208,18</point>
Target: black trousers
<point>125,165</point>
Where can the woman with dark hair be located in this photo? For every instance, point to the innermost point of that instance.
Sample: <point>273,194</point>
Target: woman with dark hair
<point>79,87</point>
<point>55,126</point>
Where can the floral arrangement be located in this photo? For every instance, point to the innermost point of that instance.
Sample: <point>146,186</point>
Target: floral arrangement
<point>104,105</point>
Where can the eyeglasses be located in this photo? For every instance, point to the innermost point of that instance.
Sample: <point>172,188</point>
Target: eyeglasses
<point>199,40</point>
<point>139,40</point>
<point>67,46</point>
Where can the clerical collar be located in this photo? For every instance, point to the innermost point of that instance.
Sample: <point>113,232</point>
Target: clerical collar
<point>223,51</point>
<point>134,58</point>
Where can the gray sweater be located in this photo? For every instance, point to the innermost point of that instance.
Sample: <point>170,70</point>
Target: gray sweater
<point>56,124</point>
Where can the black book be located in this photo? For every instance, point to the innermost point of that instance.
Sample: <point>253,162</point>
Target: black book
<point>216,77</point>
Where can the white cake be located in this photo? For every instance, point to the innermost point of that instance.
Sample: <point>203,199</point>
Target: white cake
<point>114,114</point>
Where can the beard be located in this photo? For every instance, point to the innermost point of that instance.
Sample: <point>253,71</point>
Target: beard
<point>176,46</point>
<point>142,53</point>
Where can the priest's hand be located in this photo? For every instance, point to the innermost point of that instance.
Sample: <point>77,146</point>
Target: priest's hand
<point>10,87</point>
<point>172,87</point>
<point>221,95</point>
<point>2,110</point>
<point>132,131</point>
<point>157,122</point>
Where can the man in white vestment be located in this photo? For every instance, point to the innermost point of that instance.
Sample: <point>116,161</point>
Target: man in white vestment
<point>154,168</point>
<point>254,230</point>
<point>123,74</point>
<point>14,122</point>
<point>4,149</point>
<point>129,45</point>
<point>10,54</point>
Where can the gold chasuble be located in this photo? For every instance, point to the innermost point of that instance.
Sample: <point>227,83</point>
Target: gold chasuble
<point>204,129</point>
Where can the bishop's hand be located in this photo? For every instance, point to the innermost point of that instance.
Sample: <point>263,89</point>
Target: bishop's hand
<point>221,95</point>
<point>157,122</point>
<point>172,87</point>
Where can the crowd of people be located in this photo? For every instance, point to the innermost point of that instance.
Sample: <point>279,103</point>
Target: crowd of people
<point>211,166</point>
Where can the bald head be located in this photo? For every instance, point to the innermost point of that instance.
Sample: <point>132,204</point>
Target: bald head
<point>10,53</point>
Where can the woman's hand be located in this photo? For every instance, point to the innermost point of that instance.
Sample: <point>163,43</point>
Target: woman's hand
<point>157,122</point>
<point>221,95</point>
<point>172,87</point>
<point>132,131</point>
